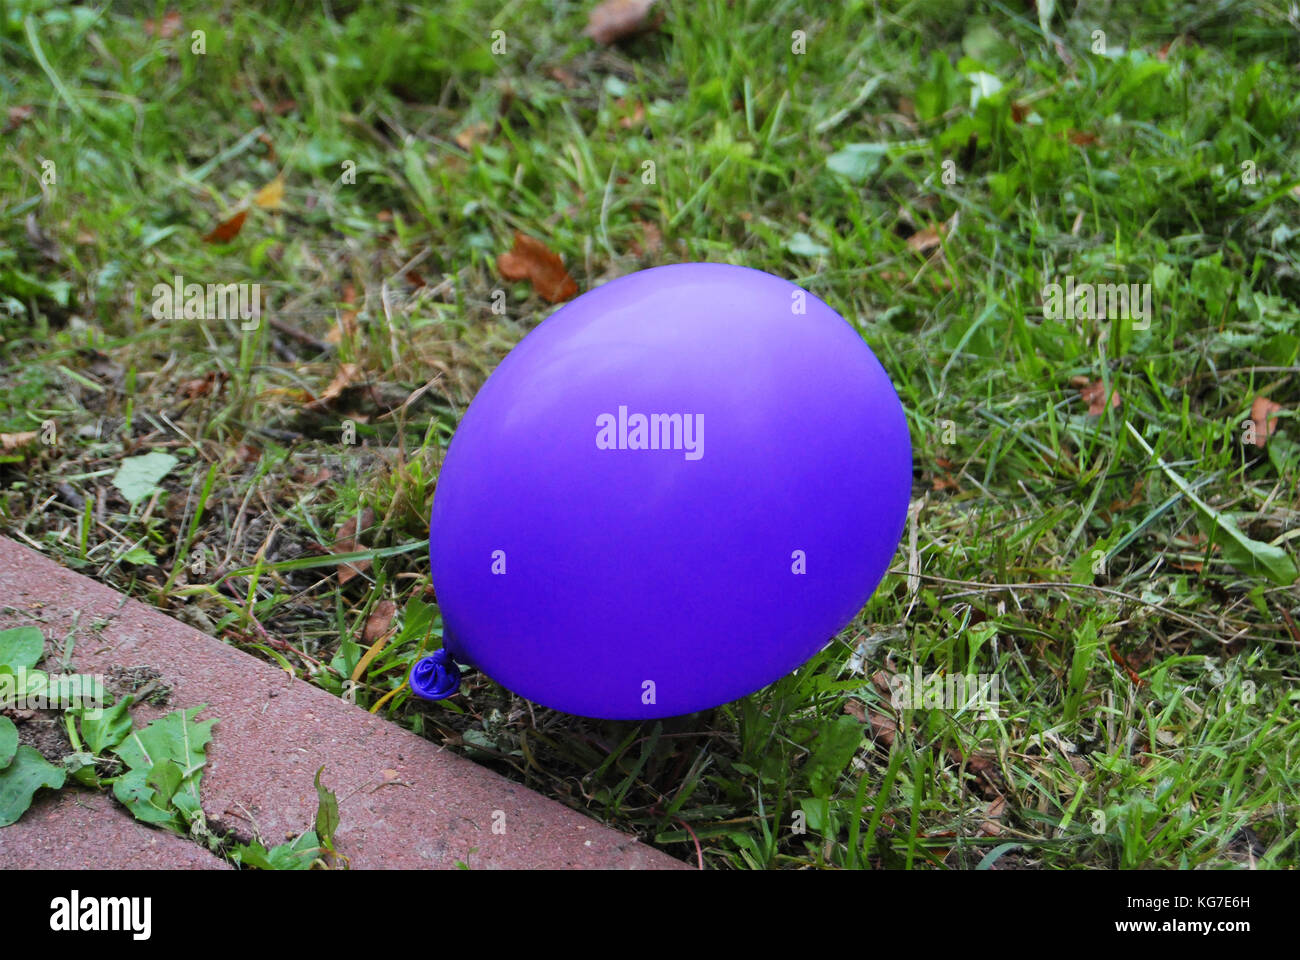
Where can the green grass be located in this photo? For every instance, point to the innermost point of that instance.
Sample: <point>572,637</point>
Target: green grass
<point>1146,661</point>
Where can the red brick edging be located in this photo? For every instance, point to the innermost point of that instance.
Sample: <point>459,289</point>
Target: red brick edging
<point>404,802</point>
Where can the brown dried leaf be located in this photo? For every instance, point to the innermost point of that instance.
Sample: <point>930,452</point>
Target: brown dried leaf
<point>202,386</point>
<point>349,540</point>
<point>941,482</point>
<point>614,20</point>
<point>531,260</point>
<point>653,240</point>
<point>472,134</point>
<point>1262,412</point>
<point>18,116</point>
<point>280,109</point>
<point>1094,395</point>
<point>347,325</point>
<point>348,374</point>
<point>168,27</point>
<point>378,622</point>
<point>271,196</point>
<point>884,728</point>
<point>12,441</point>
<point>1081,138</point>
<point>990,827</point>
<point>562,76</point>
<point>928,239</point>
<point>227,230</point>
<point>635,117</point>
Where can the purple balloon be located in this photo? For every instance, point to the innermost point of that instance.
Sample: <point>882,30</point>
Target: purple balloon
<point>673,492</point>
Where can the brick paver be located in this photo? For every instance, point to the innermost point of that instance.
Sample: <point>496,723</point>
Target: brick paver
<point>404,801</point>
<point>85,830</point>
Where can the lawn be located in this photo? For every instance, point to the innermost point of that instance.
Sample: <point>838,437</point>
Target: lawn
<point>1105,507</point>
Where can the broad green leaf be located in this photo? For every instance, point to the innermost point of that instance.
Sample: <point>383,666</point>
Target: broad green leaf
<point>132,789</point>
<point>8,741</point>
<point>1247,555</point>
<point>1045,10</point>
<point>140,557</point>
<point>19,781</point>
<point>983,86</point>
<point>327,813</point>
<point>137,477</point>
<point>296,855</point>
<point>175,739</point>
<point>836,744</point>
<point>805,246</point>
<point>857,161</point>
<point>21,647</point>
<point>105,727</point>
<point>82,767</point>
<point>165,778</point>
<point>816,812</point>
<point>21,685</point>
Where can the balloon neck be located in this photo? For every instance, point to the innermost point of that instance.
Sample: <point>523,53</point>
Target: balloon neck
<point>454,649</point>
<point>435,677</point>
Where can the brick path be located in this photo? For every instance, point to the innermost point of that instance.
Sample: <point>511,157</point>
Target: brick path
<point>404,801</point>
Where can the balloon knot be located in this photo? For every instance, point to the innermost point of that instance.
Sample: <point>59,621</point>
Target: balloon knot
<point>435,677</point>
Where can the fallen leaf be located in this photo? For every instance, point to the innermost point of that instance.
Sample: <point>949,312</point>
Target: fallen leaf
<point>1018,112</point>
<point>379,620</point>
<point>984,768</point>
<point>884,728</point>
<point>227,230</point>
<point>939,483</point>
<point>1122,662</point>
<point>271,196</point>
<point>12,441</point>
<point>560,75</point>
<point>347,323</point>
<point>615,20</point>
<point>472,134</point>
<point>1262,412</point>
<point>990,827</point>
<point>1134,498</point>
<point>280,109</point>
<point>202,386</point>
<point>1081,139</point>
<point>416,278</point>
<point>1094,394</point>
<point>928,239</point>
<point>166,28</point>
<point>653,240</point>
<point>531,260</point>
<point>348,541</point>
<point>634,118</point>
<point>139,477</point>
<point>347,374</point>
<point>18,116</point>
